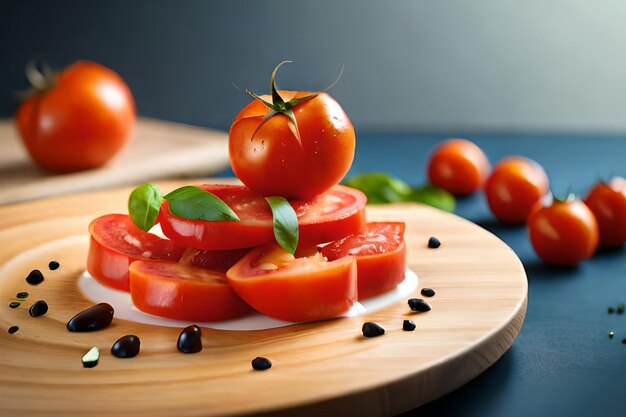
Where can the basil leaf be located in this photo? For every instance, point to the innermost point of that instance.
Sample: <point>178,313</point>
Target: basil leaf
<point>144,203</point>
<point>380,188</point>
<point>285,223</point>
<point>433,196</point>
<point>194,203</point>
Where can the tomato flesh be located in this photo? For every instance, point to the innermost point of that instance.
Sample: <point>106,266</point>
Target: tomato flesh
<point>216,260</point>
<point>329,216</point>
<point>116,243</point>
<point>278,285</point>
<point>380,253</point>
<point>182,292</point>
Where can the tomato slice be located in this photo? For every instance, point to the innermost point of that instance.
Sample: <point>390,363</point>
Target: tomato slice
<point>116,243</point>
<point>329,216</point>
<point>278,285</point>
<point>181,292</point>
<point>380,256</point>
<point>216,260</point>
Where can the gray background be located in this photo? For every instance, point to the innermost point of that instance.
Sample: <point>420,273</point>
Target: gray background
<point>435,66</point>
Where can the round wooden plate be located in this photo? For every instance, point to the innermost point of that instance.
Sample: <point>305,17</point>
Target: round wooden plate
<point>323,368</point>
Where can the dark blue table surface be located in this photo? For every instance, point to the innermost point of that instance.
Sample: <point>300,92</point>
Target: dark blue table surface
<point>563,362</point>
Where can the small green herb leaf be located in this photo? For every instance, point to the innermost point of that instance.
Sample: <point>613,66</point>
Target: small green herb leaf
<point>285,223</point>
<point>433,196</point>
<point>380,188</point>
<point>194,203</point>
<point>144,203</point>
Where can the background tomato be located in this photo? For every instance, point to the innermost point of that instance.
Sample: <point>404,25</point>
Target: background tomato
<point>564,232</point>
<point>380,254</point>
<point>608,204</point>
<point>278,285</point>
<point>182,292</point>
<point>273,163</point>
<point>79,122</point>
<point>458,166</point>
<point>513,188</point>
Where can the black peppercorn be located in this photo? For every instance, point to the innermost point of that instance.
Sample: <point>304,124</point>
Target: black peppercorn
<point>261,364</point>
<point>408,325</point>
<point>428,292</point>
<point>35,277</point>
<point>433,242</point>
<point>419,305</point>
<point>38,309</point>
<point>371,329</point>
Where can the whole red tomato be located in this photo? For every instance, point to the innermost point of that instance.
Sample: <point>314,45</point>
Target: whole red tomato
<point>607,201</point>
<point>458,166</point>
<point>273,155</point>
<point>514,187</point>
<point>79,121</point>
<point>564,232</point>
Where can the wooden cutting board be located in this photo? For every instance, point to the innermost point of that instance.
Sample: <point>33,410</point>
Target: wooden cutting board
<point>319,369</point>
<point>158,149</point>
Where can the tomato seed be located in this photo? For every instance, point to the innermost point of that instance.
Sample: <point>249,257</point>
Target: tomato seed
<point>53,265</point>
<point>35,277</point>
<point>94,318</point>
<point>433,242</point>
<point>39,308</point>
<point>624,341</point>
<point>611,310</point>
<point>126,347</point>
<point>22,295</point>
<point>14,304</point>
<point>419,305</point>
<point>428,292</point>
<point>190,340</point>
<point>91,358</point>
<point>371,329</point>
<point>13,329</point>
<point>408,325</point>
<point>261,364</point>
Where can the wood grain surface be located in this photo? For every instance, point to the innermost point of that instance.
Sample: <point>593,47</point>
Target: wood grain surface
<point>158,149</point>
<point>319,369</point>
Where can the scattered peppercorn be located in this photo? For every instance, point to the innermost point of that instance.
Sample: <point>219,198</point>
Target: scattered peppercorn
<point>39,308</point>
<point>22,295</point>
<point>94,318</point>
<point>126,347</point>
<point>611,310</point>
<point>35,277</point>
<point>419,305</point>
<point>371,329</point>
<point>408,325</point>
<point>620,308</point>
<point>53,265</point>
<point>91,358</point>
<point>13,329</point>
<point>261,364</point>
<point>433,242</point>
<point>611,334</point>
<point>624,341</point>
<point>190,340</point>
<point>14,304</point>
<point>428,292</point>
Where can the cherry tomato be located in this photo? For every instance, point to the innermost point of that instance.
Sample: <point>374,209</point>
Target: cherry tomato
<point>116,243</point>
<point>458,166</point>
<point>216,260</point>
<point>181,292</point>
<point>564,232</point>
<point>278,285</point>
<point>380,256</point>
<point>272,162</point>
<point>513,188</point>
<point>608,204</point>
<point>80,121</point>
<point>330,216</point>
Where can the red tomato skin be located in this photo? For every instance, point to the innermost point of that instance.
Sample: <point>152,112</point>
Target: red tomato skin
<point>376,273</point>
<point>564,233</point>
<point>181,298</point>
<point>109,264</point>
<point>608,204</point>
<point>81,122</point>
<point>272,163</point>
<point>514,187</point>
<point>327,290</point>
<point>256,229</point>
<point>458,166</point>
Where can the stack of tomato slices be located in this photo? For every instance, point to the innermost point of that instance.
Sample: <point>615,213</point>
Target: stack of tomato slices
<point>221,270</point>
